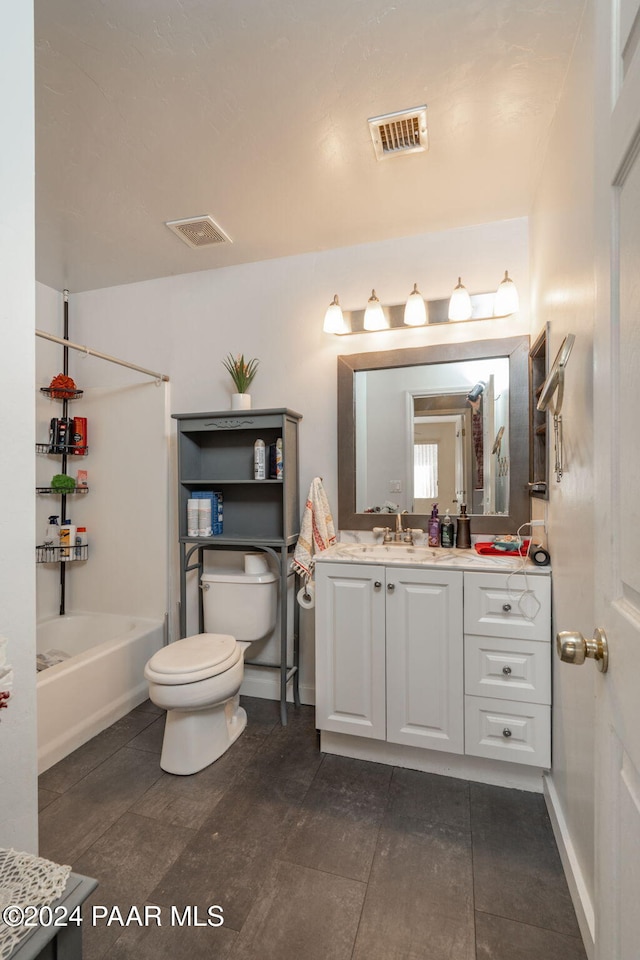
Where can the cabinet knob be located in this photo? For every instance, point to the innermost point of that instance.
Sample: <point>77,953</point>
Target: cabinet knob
<point>506,732</point>
<point>506,607</point>
<point>391,587</point>
<point>506,671</point>
<point>377,584</point>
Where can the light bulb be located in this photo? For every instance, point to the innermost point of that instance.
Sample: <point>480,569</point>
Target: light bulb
<point>374,318</point>
<point>415,310</point>
<point>333,319</point>
<point>460,303</point>
<point>506,300</point>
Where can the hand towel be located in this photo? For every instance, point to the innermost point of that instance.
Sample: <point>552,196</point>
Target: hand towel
<point>317,531</point>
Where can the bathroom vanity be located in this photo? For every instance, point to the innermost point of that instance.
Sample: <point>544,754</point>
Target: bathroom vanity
<point>435,659</point>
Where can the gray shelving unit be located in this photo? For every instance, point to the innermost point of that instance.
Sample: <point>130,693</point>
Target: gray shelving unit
<point>215,452</point>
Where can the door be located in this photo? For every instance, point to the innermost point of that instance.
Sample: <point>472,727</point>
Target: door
<point>350,643</point>
<point>425,695</point>
<point>617,446</point>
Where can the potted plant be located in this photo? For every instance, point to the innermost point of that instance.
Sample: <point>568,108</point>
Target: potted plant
<point>242,373</point>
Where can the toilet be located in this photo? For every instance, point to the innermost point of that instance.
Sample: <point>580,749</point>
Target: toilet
<point>197,679</point>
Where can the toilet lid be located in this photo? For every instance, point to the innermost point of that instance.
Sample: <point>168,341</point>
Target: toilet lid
<point>193,658</point>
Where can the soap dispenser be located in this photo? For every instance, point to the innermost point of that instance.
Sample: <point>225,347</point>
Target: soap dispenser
<point>447,531</point>
<point>463,535</point>
<point>434,528</point>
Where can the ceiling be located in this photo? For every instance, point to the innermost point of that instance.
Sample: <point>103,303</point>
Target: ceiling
<point>255,112</point>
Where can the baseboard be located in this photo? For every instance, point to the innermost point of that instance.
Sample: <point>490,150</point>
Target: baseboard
<point>580,896</point>
<point>265,684</point>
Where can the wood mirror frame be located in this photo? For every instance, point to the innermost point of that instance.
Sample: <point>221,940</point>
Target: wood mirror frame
<point>516,349</point>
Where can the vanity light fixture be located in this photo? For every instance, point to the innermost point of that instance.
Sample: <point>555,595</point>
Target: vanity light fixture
<point>506,301</point>
<point>460,303</point>
<point>374,316</point>
<point>334,321</point>
<point>415,310</point>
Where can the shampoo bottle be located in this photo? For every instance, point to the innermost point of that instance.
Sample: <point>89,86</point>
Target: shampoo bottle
<point>463,536</point>
<point>447,531</point>
<point>67,540</point>
<point>434,528</point>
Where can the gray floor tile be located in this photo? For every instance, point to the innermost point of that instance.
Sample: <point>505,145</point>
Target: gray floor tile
<point>419,899</point>
<point>517,869</point>
<point>428,796</point>
<point>45,797</point>
<point>500,939</point>
<point>90,755</point>
<point>150,739</point>
<point>187,801</point>
<point>233,853</point>
<point>129,859</point>
<point>74,821</point>
<point>291,752</point>
<point>173,942</point>
<point>263,716</point>
<point>302,913</point>
<point>337,826</point>
<point>147,707</point>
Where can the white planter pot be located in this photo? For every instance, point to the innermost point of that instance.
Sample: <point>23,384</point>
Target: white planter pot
<point>240,401</point>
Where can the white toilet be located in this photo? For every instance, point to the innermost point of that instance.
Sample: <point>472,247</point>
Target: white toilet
<point>197,680</point>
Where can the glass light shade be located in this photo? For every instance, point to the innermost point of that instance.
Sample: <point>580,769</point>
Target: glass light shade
<point>333,319</point>
<point>415,309</point>
<point>506,300</point>
<point>460,303</point>
<point>374,318</point>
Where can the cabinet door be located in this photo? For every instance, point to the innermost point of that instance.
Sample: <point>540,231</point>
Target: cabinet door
<point>425,696</point>
<point>350,640</point>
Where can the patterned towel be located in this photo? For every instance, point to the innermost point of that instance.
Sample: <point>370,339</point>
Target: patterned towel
<point>317,531</point>
<point>6,674</point>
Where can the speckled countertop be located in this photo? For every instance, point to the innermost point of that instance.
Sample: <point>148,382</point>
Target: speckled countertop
<point>424,556</point>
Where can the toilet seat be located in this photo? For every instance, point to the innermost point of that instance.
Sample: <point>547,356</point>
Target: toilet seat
<point>199,657</point>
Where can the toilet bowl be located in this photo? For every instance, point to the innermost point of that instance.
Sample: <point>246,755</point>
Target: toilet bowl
<point>197,679</point>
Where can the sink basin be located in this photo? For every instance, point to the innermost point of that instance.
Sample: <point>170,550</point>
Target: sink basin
<point>404,553</point>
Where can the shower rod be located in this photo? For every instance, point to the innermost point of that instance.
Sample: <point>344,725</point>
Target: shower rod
<point>102,356</point>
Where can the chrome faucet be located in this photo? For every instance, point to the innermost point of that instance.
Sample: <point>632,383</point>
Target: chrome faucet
<point>401,537</point>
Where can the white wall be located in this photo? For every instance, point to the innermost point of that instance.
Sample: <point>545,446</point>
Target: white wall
<point>273,310</point>
<point>18,803</point>
<point>562,245</point>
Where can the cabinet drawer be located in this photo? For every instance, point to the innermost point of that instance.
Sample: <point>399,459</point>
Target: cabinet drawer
<point>508,669</point>
<point>508,730</point>
<point>499,606</point>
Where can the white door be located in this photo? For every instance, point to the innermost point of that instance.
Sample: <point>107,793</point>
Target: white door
<point>350,644</point>
<point>617,452</point>
<point>425,695</point>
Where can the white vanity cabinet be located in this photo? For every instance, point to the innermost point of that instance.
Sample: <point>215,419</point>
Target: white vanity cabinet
<point>507,626</point>
<point>389,654</point>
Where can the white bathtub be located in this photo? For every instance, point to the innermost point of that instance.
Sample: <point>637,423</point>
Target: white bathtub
<point>100,682</point>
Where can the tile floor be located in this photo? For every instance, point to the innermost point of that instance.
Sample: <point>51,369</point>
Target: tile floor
<point>310,856</point>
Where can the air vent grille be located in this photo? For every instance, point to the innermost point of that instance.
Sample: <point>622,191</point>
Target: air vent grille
<point>199,231</point>
<point>402,132</point>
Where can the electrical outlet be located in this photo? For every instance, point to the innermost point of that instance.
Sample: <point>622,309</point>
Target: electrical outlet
<point>538,523</point>
<point>395,486</point>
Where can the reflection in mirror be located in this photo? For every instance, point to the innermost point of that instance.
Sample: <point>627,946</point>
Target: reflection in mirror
<point>427,433</point>
<point>446,424</point>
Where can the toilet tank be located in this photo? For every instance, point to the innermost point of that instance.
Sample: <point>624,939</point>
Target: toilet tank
<point>241,604</point>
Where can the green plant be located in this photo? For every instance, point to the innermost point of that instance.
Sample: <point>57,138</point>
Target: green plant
<point>62,482</point>
<point>242,371</point>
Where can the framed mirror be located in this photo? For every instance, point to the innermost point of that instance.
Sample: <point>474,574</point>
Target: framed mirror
<point>445,424</point>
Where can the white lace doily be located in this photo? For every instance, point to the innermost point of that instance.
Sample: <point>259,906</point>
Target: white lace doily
<point>25,881</point>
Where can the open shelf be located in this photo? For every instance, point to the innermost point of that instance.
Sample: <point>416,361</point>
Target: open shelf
<point>47,554</point>
<point>61,493</point>
<point>68,449</point>
<point>59,394</point>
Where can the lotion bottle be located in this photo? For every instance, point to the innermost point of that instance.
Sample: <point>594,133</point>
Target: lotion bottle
<point>463,535</point>
<point>447,531</point>
<point>434,528</point>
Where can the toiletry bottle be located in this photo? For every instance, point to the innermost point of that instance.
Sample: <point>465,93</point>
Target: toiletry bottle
<point>259,458</point>
<point>447,531</point>
<point>52,533</point>
<point>434,528</point>
<point>81,541</point>
<point>463,535</point>
<point>67,540</point>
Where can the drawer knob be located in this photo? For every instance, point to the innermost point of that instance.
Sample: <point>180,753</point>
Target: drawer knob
<point>377,584</point>
<point>506,732</point>
<point>506,607</point>
<point>506,671</point>
<point>391,587</point>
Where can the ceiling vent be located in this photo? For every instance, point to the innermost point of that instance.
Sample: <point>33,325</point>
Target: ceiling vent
<point>199,231</point>
<point>402,132</point>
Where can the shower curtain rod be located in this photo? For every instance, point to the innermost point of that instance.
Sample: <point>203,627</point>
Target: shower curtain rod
<point>102,356</point>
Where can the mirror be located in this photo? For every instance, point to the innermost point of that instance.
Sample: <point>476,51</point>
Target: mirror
<point>445,424</point>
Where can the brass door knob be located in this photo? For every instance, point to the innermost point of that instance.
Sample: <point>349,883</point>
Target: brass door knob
<point>572,647</point>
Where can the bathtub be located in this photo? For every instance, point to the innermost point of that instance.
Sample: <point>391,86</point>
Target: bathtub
<point>100,682</point>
